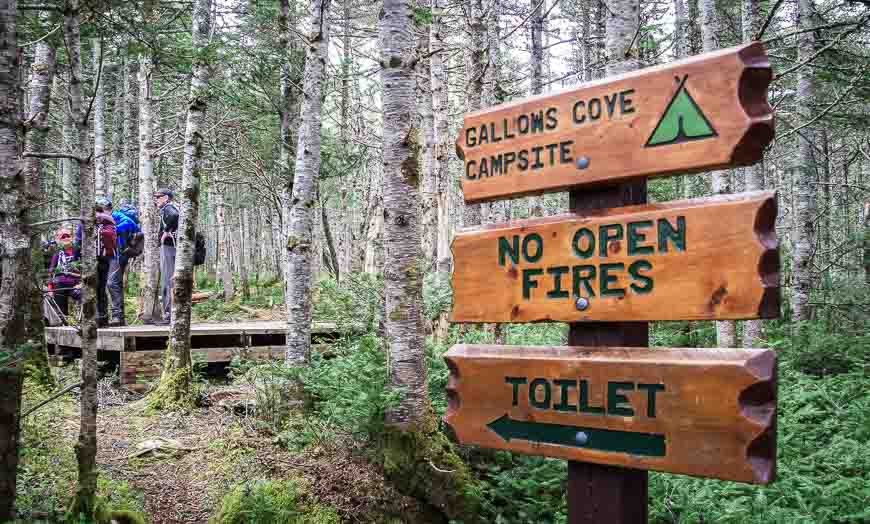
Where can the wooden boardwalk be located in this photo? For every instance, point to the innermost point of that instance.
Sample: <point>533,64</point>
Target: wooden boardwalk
<point>138,350</point>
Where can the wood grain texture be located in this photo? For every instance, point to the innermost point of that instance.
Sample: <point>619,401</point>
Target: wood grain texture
<point>706,112</point>
<point>713,410</point>
<point>700,259</point>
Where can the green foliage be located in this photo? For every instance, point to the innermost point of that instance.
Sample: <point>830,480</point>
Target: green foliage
<point>437,295</point>
<point>271,502</point>
<point>349,390</point>
<point>823,466</point>
<point>271,381</point>
<point>521,489</point>
<point>422,16</point>
<point>356,301</point>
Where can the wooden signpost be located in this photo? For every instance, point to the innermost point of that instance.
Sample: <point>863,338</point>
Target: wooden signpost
<point>701,412</point>
<point>606,403</point>
<point>706,112</point>
<point>702,259</point>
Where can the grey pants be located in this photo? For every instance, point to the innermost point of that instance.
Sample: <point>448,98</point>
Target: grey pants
<point>117,268</point>
<point>167,270</point>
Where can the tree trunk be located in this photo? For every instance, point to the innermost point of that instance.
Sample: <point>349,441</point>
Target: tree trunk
<point>805,173</point>
<point>300,241</point>
<point>403,279</point>
<point>441,140</point>
<point>41,78</point>
<point>224,272</point>
<point>427,122</point>
<point>478,59</point>
<point>131,137</point>
<point>70,174</point>
<point>726,331</point>
<point>119,180</point>
<point>536,203</point>
<point>176,380</point>
<point>244,253</point>
<point>102,180</point>
<point>14,256</point>
<point>84,502</point>
<point>751,22</point>
<point>150,222</point>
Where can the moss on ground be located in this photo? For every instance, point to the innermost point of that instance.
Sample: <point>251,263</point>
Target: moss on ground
<point>423,463</point>
<point>272,502</point>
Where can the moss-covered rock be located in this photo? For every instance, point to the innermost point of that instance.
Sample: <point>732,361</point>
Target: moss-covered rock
<point>423,463</point>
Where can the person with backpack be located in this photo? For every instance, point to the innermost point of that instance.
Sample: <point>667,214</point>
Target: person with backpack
<point>65,273</point>
<point>106,238</point>
<point>168,233</point>
<point>130,244</point>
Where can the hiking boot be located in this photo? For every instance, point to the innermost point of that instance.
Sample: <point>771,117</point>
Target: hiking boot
<point>116,323</point>
<point>102,322</point>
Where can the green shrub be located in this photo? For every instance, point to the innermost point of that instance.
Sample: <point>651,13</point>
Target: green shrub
<point>271,502</point>
<point>356,301</point>
<point>349,390</point>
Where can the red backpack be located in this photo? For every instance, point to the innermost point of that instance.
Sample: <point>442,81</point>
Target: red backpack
<point>107,236</point>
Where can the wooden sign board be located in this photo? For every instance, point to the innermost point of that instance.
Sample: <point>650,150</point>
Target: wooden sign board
<point>700,412</point>
<point>706,112</point>
<point>701,259</point>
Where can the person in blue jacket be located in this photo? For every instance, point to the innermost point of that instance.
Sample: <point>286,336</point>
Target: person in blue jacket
<point>126,228</point>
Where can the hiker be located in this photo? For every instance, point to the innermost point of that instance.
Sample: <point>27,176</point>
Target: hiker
<point>65,272</point>
<point>167,234</point>
<point>130,243</point>
<point>106,238</point>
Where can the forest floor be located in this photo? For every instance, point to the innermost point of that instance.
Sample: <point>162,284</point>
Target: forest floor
<point>217,451</point>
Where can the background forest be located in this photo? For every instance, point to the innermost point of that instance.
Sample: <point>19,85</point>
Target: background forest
<point>311,143</point>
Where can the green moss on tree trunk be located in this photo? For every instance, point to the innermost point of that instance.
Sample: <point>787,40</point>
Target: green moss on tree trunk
<point>176,390</point>
<point>423,463</point>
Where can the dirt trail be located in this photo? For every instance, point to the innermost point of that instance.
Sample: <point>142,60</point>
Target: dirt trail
<point>210,450</point>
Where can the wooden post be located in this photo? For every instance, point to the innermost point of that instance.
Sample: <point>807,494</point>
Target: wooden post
<point>598,493</point>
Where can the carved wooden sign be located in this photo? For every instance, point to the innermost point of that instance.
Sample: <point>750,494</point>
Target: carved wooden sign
<point>706,112</point>
<point>702,259</point>
<point>701,412</point>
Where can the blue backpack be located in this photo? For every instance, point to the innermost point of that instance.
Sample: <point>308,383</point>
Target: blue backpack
<point>130,212</point>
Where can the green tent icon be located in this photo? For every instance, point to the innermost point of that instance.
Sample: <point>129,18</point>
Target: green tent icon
<point>683,120</point>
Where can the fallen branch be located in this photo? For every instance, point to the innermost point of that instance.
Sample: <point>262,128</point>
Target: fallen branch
<point>53,397</point>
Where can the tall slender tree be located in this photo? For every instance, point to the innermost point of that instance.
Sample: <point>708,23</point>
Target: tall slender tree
<point>176,379</point>
<point>403,278</point>
<point>84,502</point>
<point>750,24</point>
<point>804,174</point>
<point>304,199</point>
<point>14,244</point>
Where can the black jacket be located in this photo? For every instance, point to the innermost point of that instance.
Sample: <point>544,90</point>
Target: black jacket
<point>168,223</point>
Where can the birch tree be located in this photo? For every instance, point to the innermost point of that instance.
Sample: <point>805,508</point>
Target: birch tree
<point>750,24</point>
<point>176,379</point>
<point>84,502</point>
<point>803,243</point>
<point>403,278</point>
<point>101,176</point>
<point>14,233</point>
<point>441,140</point>
<point>147,186</point>
<point>711,28</point>
<point>223,262</point>
<point>304,200</point>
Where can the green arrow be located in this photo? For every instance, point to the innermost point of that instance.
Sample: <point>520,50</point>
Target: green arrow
<point>649,444</point>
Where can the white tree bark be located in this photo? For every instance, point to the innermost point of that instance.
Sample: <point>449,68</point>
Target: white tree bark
<point>427,126</point>
<point>441,140</point>
<point>119,179</point>
<point>41,78</point>
<point>726,331</point>
<point>403,278</point>
<point>177,368</point>
<point>224,271</point>
<point>805,173</point>
<point>148,216</point>
<point>15,265</point>
<point>300,241</point>
<point>86,447</point>
<point>751,23</point>
<point>101,176</point>
<point>69,168</point>
<point>622,18</point>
